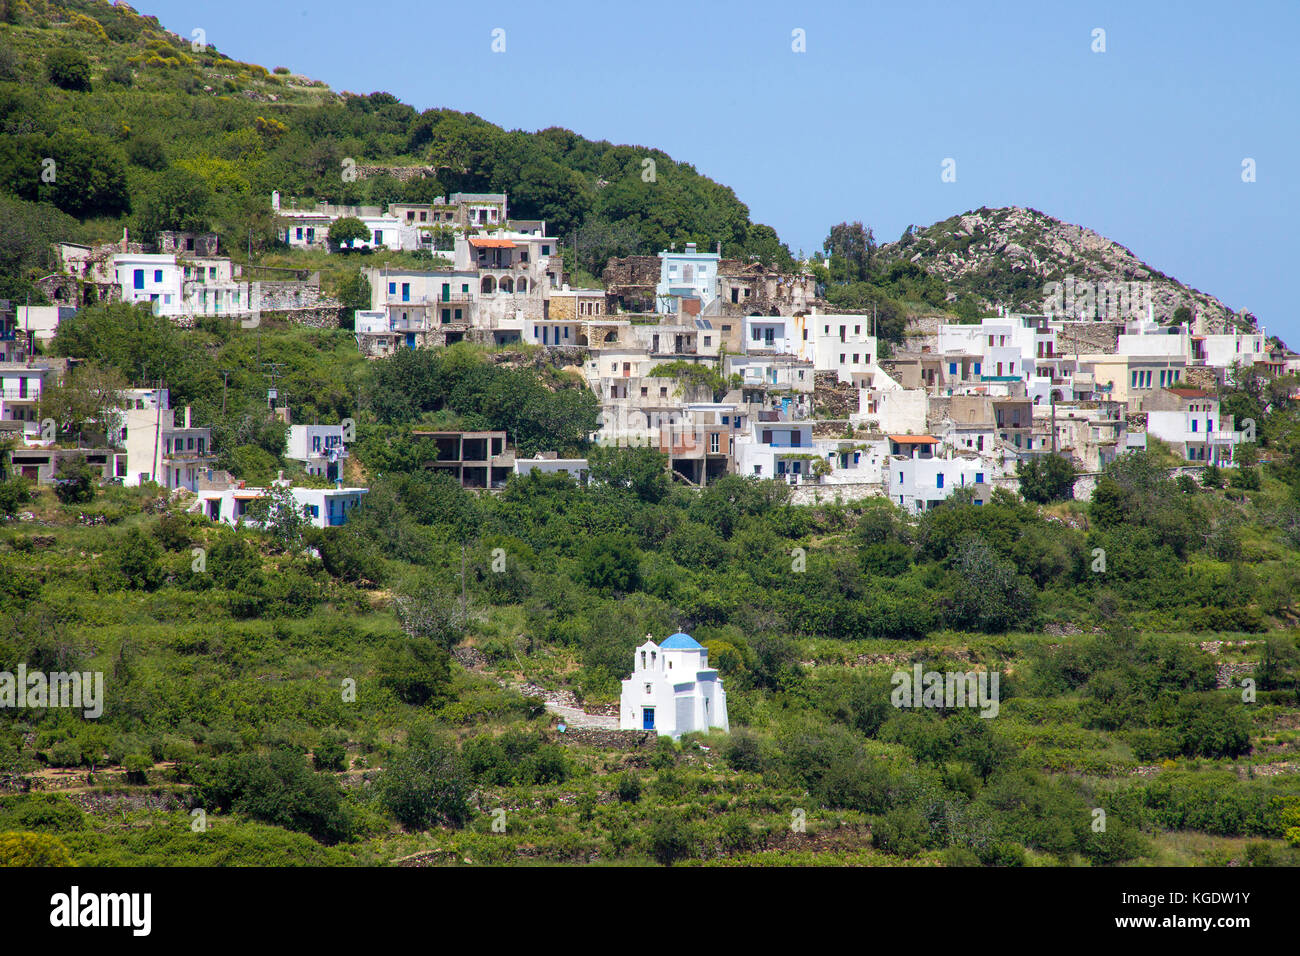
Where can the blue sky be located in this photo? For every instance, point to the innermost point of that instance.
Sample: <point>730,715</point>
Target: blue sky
<point>1143,143</point>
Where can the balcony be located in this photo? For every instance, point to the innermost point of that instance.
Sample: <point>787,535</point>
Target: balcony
<point>189,455</point>
<point>20,395</point>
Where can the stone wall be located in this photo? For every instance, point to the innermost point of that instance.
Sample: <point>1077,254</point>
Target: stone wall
<point>830,493</point>
<point>1100,337</point>
<point>318,317</point>
<point>608,739</point>
<point>630,283</point>
<point>403,174</point>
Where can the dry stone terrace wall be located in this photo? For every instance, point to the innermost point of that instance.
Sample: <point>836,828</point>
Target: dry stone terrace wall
<point>608,739</point>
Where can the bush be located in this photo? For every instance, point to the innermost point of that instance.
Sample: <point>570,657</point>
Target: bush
<point>425,788</point>
<point>743,752</point>
<point>137,560</point>
<point>120,73</point>
<point>901,833</point>
<point>628,788</point>
<point>14,493</point>
<point>671,841</point>
<point>419,673</point>
<point>279,789</point>
<point>137,767</point>
<point>330,754</point>
<point>68,69</point>
<point>33,849</point>
<point>75,482</point>
<point>1212,727</point>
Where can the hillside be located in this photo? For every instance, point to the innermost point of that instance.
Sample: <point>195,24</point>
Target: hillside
<point>149,133</point>
<point>1006,256</point>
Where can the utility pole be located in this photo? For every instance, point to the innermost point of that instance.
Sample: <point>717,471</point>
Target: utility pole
<point>274,367</point>
<point>1053,422</point>
<point>157,430</point>
<point>225,374</point>
<point>463,599</point>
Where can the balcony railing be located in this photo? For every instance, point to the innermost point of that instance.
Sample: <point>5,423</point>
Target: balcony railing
<point>20,395</point>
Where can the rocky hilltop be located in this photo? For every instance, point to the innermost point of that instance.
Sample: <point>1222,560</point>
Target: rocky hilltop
<point>1008,257</point>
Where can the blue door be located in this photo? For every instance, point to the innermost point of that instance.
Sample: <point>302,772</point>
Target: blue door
<point>648,719</point>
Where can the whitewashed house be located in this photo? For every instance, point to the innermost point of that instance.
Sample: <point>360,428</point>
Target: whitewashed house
<point>322,507</point>
<point>319,448</point>
<point>151,278</point>
<point>672,689</point>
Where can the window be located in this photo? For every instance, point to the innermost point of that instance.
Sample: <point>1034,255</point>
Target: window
<point>979,477</point>
<point>952,368</point>
<point>157,275</point>
<point>392,288</point>
<point>977,368</point>
<point>938,480</point>
<point>139,279</point>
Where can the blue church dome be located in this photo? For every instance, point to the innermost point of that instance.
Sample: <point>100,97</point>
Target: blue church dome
<point>682,642</point>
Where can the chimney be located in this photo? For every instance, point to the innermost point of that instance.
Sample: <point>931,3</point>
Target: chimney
<point>719,247</point>
<point>187,416</point>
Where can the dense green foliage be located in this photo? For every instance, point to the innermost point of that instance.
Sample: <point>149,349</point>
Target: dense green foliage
<point>150,133</point>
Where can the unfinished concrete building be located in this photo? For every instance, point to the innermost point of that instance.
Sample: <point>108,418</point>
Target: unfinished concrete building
<point>474,459</point>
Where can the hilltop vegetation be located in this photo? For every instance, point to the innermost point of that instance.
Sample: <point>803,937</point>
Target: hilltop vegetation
<point>1007,256</point>
<point>147,132</point>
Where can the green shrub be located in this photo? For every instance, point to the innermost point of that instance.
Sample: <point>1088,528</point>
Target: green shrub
<point>426,786</point>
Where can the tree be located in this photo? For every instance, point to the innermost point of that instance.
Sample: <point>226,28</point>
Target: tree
<point>354,291</point>
<point>990,596</point>
<point>278,513</point>
<point>82,174</point>
<point>854,246</point>
<point>179,200</point>
<point>419,673</point>
<point>1046,478</point>
<point>426,786</point>
<point>14,493</point>
<point>75,482</point>
<point>89,394</point>
<point>278,788</point>
<point>610,563</point>
<point>69,69</point>
<point>347,230</point>
<point>431,612</point>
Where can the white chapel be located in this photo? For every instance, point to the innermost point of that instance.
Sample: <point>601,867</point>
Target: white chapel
<point>672,689</point>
